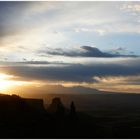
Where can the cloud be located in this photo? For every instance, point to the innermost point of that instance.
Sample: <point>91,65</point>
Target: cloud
<point>73,72</point>
<point>122,51</point>
<point>85,51</point>
<point>101,32</point>
<point>116,75</point>
<point>32,24</point>
<point>123,80</point>
<point>129,84</point>
<point>131,7</point>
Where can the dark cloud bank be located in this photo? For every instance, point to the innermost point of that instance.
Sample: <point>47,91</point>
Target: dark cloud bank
<point>74,72</point>
<point>86,51</point>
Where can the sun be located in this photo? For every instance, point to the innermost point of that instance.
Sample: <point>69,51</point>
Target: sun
<point>6,82</point>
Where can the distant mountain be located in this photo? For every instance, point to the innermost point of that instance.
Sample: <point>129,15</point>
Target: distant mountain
<point>82,90</point>
<point>56,89</point>
<point>59,89</point>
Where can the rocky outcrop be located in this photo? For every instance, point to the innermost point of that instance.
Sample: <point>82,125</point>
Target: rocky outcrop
<point>56,107</point>
<point>11,104</point>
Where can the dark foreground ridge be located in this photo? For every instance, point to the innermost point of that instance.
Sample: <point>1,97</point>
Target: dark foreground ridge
<point>27,118</point>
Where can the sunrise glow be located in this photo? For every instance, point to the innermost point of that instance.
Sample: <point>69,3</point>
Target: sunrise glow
<point>6,82</point>
<point>95,45</point>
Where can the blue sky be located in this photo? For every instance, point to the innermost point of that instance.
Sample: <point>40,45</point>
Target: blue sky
<point>72,34</point>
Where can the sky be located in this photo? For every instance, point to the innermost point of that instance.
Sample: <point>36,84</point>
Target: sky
<point>69,46</point>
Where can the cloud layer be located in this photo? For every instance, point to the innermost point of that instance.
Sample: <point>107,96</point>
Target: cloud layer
<point>42,41</point>
<point>33,26</point>
<point>74,72</point>
<point>84,51</point>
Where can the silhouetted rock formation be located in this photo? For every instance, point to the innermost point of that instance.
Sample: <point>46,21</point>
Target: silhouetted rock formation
<point>27,118</point>
<point>13,104</point>
<point>72,110</point>
<point>56,107</point>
